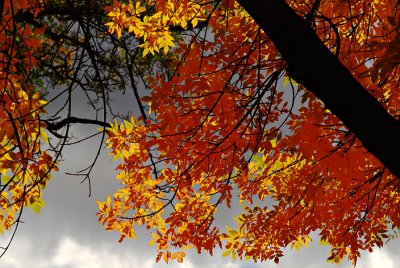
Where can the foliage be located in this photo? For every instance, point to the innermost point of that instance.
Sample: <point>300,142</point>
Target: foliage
<point>221,123</point>
<point>24,164</point>
<point>224,124</point>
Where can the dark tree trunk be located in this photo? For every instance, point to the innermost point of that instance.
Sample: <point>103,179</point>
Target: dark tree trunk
<point>313,65</point>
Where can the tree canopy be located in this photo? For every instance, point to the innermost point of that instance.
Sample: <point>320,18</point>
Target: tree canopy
<point>288,109</point>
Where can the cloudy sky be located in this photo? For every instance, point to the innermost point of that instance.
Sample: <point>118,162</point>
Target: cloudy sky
<point>66,233</point>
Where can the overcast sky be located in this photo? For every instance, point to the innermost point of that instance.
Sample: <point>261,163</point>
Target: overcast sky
<point>66,233</point>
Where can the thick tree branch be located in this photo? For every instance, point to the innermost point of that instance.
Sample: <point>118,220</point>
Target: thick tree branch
<point>1,7</point>
<point>312,64</point>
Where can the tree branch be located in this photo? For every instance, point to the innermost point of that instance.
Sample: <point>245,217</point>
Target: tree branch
<point>312,64</point>
<point>54,126</point>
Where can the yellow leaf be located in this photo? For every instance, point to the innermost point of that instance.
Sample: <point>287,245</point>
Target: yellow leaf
<point>195,21</point>
<point>273,143</point>
<point>297,245</point>
<point>155,237</point>
<point>43,135</point>
<point>37,205</point>
<point>125,154</point>
<point>234,256</point>
<point>5,179</point>
<point>286,81</point>
<point>324,243</point>
<point>42,102</point>
<point>251,165</point>
<point>184,24</point>
<point>7,156</point>
<point>114,126</point>
<point>165,49</point>
<point>128,125</point>
<point>145,51</point>
<point>119,32</point>
<point>175,255</point>
<point>165,257</point>
<point>3,171</point>
<point>233,233</point>
<point>226,253</point>
<point>22,94</point>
